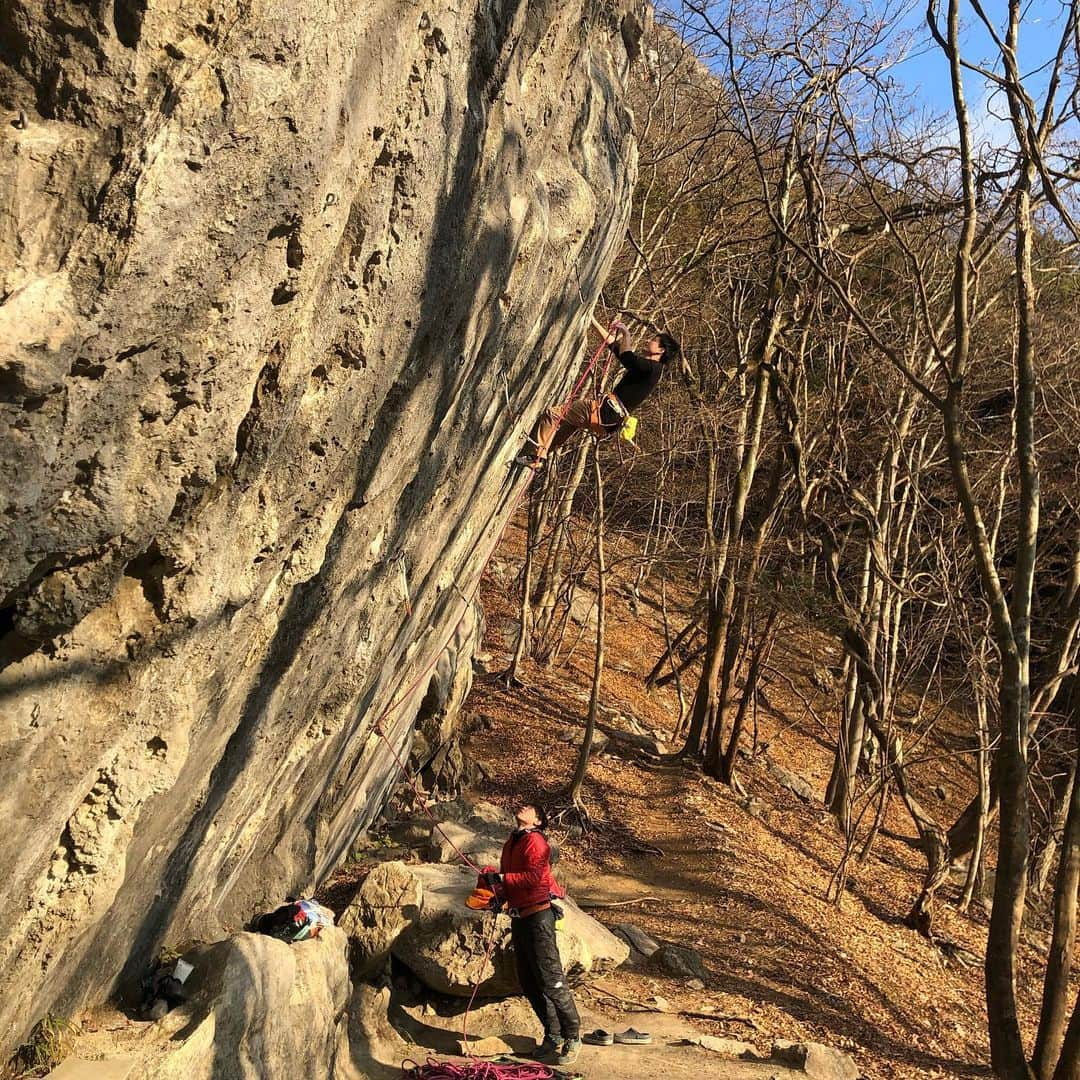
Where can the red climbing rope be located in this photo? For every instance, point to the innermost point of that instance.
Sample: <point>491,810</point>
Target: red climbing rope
<point>408,691</point>
<point>584,376</point>
<point>421,800</point>
<point>412,687</point>
<point>474,1069</point>
<point>433,1069</point>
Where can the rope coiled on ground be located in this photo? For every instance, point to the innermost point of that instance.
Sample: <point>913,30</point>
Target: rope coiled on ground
<point>434,1069</point>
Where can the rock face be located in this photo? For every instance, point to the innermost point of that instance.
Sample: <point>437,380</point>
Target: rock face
<point>446,944</point>
<point>259,1010</point>
<point>388,901</point>
<point>268,275</point>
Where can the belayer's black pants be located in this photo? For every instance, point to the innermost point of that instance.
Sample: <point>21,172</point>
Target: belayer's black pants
<point>540,972</point>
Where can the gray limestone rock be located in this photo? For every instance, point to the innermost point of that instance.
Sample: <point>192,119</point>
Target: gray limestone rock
<point>388,901</point>
<point>680,960</point>
<point>792,781</point>
<point>735,1048</point>
<point>628,739</point>
<point>817,1061</point>
<point>267,276</point>
<point>446,945</point>
<point>637,939</point>
<point>600,741</point>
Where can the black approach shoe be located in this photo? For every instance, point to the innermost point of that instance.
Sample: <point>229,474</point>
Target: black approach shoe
<point>570,1050</point>
<point>548,1050</point>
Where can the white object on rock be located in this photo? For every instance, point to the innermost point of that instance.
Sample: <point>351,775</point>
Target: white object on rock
<point>182,970</point>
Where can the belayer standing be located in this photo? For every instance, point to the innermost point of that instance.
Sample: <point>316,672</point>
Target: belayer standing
<point>527,886</point>
<point>606,415</point>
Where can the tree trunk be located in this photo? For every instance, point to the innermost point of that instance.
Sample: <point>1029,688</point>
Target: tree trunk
<point>982,762</point>
<point>524,639</point>
<point>550,580</point>
<point>1058,968</point>
<point>678,726</point>
<point>1068,1066</point>
<point>721,587</point>
<point>1044,862</point>
<point>598,667</point>
<point>837,795</point>
<point>757,660</point>
<point>704,706</point>
<point>741,600</point>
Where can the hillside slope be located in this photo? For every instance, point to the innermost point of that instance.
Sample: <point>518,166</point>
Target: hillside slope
<point>743,878</point>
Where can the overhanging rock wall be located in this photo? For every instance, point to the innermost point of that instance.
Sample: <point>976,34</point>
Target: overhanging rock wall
<point>268,272</point>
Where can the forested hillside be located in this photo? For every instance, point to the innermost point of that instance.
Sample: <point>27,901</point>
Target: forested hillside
<point>874,430</point>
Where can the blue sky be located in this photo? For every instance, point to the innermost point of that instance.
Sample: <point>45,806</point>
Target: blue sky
<point>925,71</point>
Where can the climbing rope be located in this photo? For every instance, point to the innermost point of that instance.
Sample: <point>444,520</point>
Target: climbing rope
<point>378,726</point>
<point>433,1069</point>
<point>467,600</point>
<point>474,1069</point>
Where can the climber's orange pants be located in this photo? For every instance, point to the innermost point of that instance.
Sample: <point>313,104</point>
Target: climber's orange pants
<point>556,427</point>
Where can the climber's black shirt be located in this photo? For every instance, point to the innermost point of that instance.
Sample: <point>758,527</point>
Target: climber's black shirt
<point>639,380</point>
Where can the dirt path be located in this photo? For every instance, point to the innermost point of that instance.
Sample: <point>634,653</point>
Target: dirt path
<point>419,1032</point>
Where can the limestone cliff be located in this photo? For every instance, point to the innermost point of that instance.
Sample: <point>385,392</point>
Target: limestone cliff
<point>269,273</point>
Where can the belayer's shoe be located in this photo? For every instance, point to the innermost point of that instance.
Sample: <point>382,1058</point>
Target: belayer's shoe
<point>570,1050</point>
<point>548,1050</point>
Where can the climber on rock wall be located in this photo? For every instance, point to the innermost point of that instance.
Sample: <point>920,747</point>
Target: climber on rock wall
<point>606,415</point>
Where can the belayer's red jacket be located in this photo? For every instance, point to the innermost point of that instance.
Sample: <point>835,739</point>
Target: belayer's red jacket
<point>525,866</point>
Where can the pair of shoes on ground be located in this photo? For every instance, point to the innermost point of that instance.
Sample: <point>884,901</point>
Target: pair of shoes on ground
<point>630,1036</point>
<point>558,1052</point>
